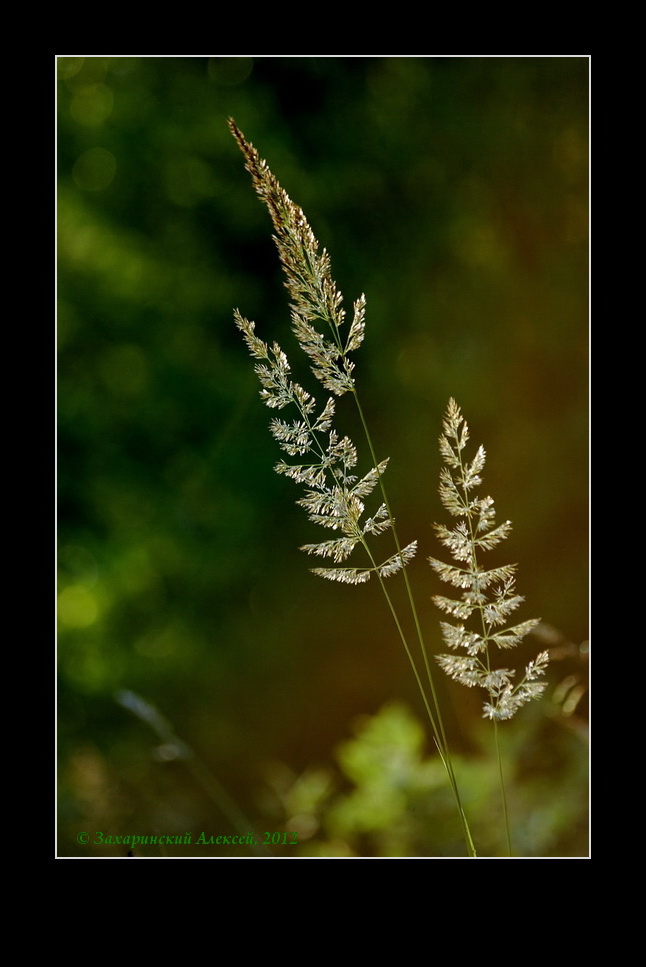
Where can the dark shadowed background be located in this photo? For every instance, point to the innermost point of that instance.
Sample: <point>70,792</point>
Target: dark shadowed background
<point>453,192</point>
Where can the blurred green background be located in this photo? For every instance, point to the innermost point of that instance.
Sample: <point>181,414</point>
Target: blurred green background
<point>453,192</point>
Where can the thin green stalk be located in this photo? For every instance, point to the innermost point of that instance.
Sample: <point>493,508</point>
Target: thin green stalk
<point>441,739</point>
<point>502,787</point>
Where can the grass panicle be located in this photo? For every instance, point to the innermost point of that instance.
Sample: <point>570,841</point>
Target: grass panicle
<point>334,495</point>
<point>488,596</point>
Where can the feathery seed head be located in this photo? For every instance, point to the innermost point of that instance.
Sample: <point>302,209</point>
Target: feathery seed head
<point>487,594</point>
<point>314,294</point>
<point>335,495</point>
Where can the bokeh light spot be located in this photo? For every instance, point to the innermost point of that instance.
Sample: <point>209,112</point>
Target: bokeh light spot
<point>95,169</point>
<point>77,607</point>
<point>189,180</point>
<point>67,67</point>
<point>230,71</point>
<point>92,105</point>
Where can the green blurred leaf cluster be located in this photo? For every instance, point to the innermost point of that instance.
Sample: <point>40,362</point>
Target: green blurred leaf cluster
<point>390,798</point>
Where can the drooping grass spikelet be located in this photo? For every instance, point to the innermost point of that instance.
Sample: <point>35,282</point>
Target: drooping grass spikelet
<point>487,595</point>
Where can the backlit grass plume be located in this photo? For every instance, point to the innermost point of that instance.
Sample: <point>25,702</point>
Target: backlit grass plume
<point>488,596</point>
<point>334,494</point>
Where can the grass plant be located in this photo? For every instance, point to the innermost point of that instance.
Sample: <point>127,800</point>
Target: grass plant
<point>324,462</point>
<point>488,596</point>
